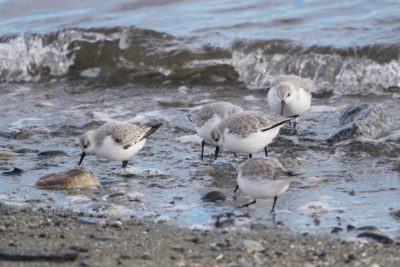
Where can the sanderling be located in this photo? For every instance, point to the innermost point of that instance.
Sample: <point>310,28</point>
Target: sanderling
<point>289,95</point>
<point>210,116</point>
<point>116,140</point>
<point>247,131</point>
<point>263,178</point>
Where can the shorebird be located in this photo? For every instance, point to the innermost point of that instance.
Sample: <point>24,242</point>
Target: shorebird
<point>290,95</point>
<point>247,132</point>
<point>116,140</point>
<point>208,117</point>
<point>263,178</point>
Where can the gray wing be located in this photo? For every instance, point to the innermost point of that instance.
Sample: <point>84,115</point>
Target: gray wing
<point>248,122</point>
<point>263,168</point>
<point>222,109</point>
<point>125,134</point>
<point>297,81</point>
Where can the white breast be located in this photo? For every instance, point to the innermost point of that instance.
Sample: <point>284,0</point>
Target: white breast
<point>112,151</point>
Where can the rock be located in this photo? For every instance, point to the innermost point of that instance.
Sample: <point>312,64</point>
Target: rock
<point>75,178</point>
<point>116,224</point>
<point>336,230</point>
<point>350,227</point>
<point>395,214</point>
<point>377,237</point>
<point>370,228</point>
<point>252,246</point>
<point>60,256</point>
<point>5,154</point>
<point>15,171</point>
<point>162,219</point>
<point>52,153</point>
<point>225,220</point>
<point>214,196</point>
<point>363,120</point>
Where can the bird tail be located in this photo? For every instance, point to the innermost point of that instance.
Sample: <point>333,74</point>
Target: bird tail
<point>153,128</point>
<point>289,118</point>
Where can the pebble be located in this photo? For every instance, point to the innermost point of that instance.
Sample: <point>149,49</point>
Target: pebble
<point>75,178</point>
<point>214,196</point>
<point>162,219</point>
<point>6,155</point>
<point>377,237</point>
<point>252,246</point>
<point>52,153</point>
<point>15,171</point>
<point>116,224</point>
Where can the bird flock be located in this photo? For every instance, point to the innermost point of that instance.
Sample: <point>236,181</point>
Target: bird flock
<point>222,125</point>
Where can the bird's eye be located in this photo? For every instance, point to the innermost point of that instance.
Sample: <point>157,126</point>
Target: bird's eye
<point>288,94</point>
<point>216,139</point>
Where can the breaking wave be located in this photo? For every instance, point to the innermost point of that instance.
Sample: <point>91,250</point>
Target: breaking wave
<point>127,54</point>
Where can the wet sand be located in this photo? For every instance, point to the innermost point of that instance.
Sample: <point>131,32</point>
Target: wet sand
<point>68,240</point>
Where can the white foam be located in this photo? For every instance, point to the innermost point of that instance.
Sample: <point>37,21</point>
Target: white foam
<point>78,199</point>
<point>323,109</point>
<point>143,172</point>
<point>251,98</point>
<point>90,73</point>
<point>146,116</point>
<point>317,207</point>
<point>193,138</point>
<point>24,122</point>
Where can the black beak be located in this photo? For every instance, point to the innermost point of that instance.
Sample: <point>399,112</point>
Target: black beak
<point>82,156</point>
<point>283,103</point>
<point>216,152</point>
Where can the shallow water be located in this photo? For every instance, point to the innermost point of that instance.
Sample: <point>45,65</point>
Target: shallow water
<point>167,178</point>
<point>66,68</point>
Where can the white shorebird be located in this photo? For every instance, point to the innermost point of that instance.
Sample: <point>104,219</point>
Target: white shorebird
<point>290,95</point>
<point>263,178</point>
<point>247,132</point>
<point>208,117</point>
<point>116,140</point>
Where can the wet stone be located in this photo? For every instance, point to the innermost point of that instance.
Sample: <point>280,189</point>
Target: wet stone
<point>395,215</point>
<point>52,153</point>
<point>377,237</point>
<point>72,179</point>
<point>350,227</point>
<point>252,246</point>
<point>15,171</point>
<point>336,230</point>
<point>362,120</point>
<point>214,196</point>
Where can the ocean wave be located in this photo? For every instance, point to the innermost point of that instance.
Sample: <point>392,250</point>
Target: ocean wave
<point>127,54</point>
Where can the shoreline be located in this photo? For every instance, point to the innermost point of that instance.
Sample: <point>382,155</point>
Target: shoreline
<point>62,237</point>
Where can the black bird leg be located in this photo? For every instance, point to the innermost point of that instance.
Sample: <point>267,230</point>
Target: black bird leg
<point>236,188</point>
<point>202,148</point>
<point>216,152</point>
<point>248,204</point>
<point>273,205</point>
<point>124,164</point>
<point>266,151</point>
<point>234,153</point>
<point>250,156</point>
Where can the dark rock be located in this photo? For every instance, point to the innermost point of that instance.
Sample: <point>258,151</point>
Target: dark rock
<point>224,220</point>
<point>377,237</point>
<point>62,256</point>
<point>214,196</point>
<point>52,153</point>
<point>370,228</point>
<point>362,120</point>
<point>395,215</point>
<point>25,151</point>
<point>336,230</point>
<point>350,227</point>
<point>15,171</point>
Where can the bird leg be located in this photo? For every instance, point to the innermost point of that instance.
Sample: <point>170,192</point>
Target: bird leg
<point>273,205</point>
<point>250,156</point>
<point>202,148</point>
<point>266,151</point>
<point>248,204</point>
<point>234,154</point>
<point>236,188</point>
<point>124,163</point>
<point>216,152</point>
